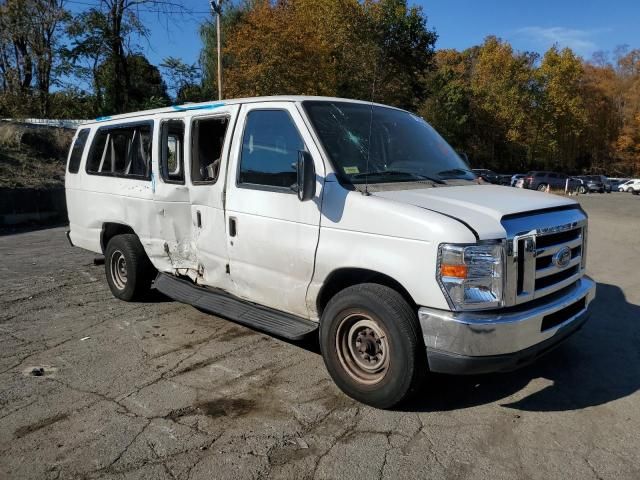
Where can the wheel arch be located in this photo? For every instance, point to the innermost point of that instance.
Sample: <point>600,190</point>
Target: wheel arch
<point>342,278</point>
<point>110,230</point>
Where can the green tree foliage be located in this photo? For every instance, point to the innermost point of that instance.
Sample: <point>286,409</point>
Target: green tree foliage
<point>29,55</point>
<point>146,87</point>
<point>104,51</point>
<point>508,110</point>
<point>324,47</point>
<point>513,111</point>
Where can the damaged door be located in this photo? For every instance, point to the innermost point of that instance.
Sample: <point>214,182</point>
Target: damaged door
<point>208,158</point>
<point>175,247</point>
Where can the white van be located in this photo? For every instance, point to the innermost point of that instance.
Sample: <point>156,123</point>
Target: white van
<point>350,220</point>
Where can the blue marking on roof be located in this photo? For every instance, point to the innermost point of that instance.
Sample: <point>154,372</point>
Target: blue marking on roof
<point>184,108</point>
<point>102,119</point>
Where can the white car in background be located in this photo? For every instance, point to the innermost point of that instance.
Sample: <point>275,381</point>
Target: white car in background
<point>630,185</point>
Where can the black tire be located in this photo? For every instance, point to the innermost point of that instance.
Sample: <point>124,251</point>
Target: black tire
<point>582,190</point>
<point>399,344</point>
<point>542,187</point>
<point>129,271</point>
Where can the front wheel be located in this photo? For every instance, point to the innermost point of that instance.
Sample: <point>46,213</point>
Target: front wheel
<point>372,346</point>
<point>582,190</point>
<point>129,271</point>
<point>542,187</point>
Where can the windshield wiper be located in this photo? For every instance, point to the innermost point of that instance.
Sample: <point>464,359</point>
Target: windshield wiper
<point>389,173</point>
<point>455,171</point>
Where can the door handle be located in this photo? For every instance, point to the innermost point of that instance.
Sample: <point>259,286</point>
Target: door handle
<point>233,226</point>
<point>199,219</point>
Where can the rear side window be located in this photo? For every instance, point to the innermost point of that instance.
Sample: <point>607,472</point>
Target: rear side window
<point>77,149</point>
<point>270,147</point>
<point>172,162</point>
<point>122,151</point>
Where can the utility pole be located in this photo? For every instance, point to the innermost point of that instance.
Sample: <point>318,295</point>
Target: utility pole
<point>216,9</point>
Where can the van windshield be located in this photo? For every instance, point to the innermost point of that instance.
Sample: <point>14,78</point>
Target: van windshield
<point>377,144</point>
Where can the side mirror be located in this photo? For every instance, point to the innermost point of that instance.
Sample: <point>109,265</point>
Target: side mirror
<point>306,173</point>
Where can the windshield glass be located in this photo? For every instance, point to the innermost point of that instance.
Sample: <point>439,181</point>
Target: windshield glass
<point>382,145</point>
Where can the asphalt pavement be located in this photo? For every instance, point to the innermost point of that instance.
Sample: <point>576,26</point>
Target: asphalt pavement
<point>92,387</point>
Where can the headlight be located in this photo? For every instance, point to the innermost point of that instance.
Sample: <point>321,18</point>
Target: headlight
<point>472,276</point>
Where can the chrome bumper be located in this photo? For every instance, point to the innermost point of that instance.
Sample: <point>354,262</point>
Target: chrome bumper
<point>479,342</point>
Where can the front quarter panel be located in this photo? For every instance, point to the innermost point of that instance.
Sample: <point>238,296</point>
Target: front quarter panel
<point>393,238</point>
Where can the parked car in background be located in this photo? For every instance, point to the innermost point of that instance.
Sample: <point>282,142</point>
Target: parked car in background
<point>541,180</point>
<point>487,175</point>
<point>605,182</point>
<point>634,188</point>
<point>590,184</point>
<point>616,182</point>
<point>515,178</point>
<point>505,179</point>
<point>626,186</point>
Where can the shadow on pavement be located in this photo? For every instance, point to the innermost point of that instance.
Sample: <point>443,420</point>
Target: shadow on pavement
<point>599,364</point>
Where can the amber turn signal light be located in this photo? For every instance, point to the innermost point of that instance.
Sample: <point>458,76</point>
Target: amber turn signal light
<point>456,271</point>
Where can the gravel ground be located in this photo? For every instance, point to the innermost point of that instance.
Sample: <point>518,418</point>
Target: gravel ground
<point>159,390</point>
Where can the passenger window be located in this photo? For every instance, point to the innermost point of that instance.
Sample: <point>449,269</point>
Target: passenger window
<point>123,151</point>
<point>172,159</point>
<point>77,149</point>
<point>270,147</point>
<point>207,139</point>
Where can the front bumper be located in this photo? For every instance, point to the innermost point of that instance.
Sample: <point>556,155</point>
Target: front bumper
<point>483,342</point>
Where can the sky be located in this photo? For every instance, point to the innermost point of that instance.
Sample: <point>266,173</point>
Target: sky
<point>534,25</point>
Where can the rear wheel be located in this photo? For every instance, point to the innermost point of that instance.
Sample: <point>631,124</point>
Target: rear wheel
<point>372,346</point>
<point>129,271</point>
<point>542,187</point>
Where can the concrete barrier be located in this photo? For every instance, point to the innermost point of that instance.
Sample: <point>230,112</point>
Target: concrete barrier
<point>21,206</point>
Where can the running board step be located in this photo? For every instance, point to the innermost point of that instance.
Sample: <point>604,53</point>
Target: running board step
<point>226,305</point>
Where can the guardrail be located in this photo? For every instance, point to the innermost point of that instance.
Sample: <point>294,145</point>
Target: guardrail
<point>64,123</point>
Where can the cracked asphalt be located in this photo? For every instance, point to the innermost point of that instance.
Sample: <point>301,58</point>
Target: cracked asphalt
<point>160,390</point>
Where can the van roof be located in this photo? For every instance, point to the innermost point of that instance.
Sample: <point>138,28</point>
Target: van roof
<point>217,103</point>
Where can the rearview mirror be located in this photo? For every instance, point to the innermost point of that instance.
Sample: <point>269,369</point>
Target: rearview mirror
<point>306,173</point>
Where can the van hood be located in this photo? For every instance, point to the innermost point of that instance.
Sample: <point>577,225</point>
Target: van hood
<point>481,207</point>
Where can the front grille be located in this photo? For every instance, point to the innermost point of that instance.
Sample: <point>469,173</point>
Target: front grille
<point>545,282</point>
<point>544,260</point>
<point>557,238</point>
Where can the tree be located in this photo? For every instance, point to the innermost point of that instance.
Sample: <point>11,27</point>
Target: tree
<point>107,34</point>
<point>449,95</point>
<point>325,47</point>
<point>564,116</point>
<point>627,144</point>
<point>184,79</point>
<point>29,40</point>
<point>146,87</point>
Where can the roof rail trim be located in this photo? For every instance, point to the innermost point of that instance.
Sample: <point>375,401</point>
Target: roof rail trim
<point>185,108</point>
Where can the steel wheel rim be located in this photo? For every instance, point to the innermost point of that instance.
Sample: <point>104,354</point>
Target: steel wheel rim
<point>363,348</point>
<point>118,269</point>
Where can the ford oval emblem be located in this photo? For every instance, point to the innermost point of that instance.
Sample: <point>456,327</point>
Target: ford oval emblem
<point>562,257</point>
